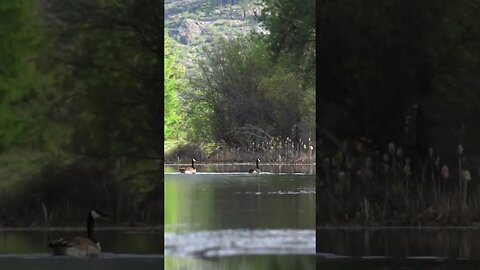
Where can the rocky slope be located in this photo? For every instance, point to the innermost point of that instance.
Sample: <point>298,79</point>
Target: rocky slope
<point>195,25</point>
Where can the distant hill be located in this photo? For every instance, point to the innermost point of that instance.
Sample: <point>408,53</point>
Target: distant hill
<point>196,24</point>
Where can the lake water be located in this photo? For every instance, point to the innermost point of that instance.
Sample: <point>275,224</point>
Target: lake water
<point>399,248</point>
<point>224,218</point>
<point>124,248</point>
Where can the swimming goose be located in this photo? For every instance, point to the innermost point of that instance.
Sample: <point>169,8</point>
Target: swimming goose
<point>256,170</point>
<point>189,170</point>
<point>80,246</point>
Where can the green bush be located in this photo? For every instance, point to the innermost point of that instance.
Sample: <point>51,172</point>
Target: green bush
<point>173,72</point>
<point>240,92</point>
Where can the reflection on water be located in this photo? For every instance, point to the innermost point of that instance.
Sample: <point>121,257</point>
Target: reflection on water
<point>214,202</point>
<point>264,262</point>
<point>217,220</point>
<point>451,243</point>
<point>397,264</point>
<point>398,248</point>
<point>122,249</point>
<point>112,261</point>
<point>266,168</point>
<point>240,242</point>
<point>114,241</point>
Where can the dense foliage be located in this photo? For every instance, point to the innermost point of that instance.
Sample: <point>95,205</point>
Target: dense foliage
<point>244,84</point>
<point>392,71</point>
<point>113,54</point>
<point>82,113</point>
<point>291,26</point>
<point>173,73</point>
<point>247,94</point>
<point>19,79</point>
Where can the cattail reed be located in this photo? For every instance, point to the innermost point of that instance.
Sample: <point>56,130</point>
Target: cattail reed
<point>326,164</point>
<point>460,153</point>
<point>437,176</point>
<point>391,150</point>
<point>407,171</point>
<point>430,158</point>
<point>467,178</point>
<point>399,152</point>
<point>359,147</point>
<point>445,172</point>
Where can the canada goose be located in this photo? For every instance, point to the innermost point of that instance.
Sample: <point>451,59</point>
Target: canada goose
<point>189,170</point>
<point>80,246</point>
<point>256,170</point>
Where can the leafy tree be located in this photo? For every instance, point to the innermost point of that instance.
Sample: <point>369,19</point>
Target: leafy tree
<point>291,26</point>
<point>173,73</point>
<point>281,90</point>
<point>392,71</point>
<point>291,40</point>
<point>245,5</point>
<point>247,94</point>
<point>19,78</point>
<point>228,82</point>
<point>111,53</point>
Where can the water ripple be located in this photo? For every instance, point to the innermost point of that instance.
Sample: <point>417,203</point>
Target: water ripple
<point>277,192</point>
<point>103,255</point>
<point>232,173</point>
<point>240,242</point>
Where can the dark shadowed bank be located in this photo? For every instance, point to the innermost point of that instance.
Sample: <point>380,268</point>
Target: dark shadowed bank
<point>398,114</point>
<point>61,193</point>
<point>359,185</point>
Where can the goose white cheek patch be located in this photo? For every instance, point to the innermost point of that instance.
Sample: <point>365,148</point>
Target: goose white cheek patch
<point>94,214</point>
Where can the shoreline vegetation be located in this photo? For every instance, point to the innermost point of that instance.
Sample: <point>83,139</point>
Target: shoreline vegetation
<point>98,227</point>
<point>37,189</point>
<point>231,107</point>
<point>361,186</point>
<point>399,114</point>
<point>239,167</point>
<point>380,227</point>
<point>240,164</point>
<point>275,151</point>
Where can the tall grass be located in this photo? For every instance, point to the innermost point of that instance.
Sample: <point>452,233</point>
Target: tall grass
<point>387,187</point>
<point>275,150</point>
<point>59,191</point>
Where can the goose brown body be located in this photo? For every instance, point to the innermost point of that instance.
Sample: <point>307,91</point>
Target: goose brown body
<point>189,170</point>
<point>77,246</point>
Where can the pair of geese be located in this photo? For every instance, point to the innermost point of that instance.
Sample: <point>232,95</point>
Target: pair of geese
<point>193,170</point>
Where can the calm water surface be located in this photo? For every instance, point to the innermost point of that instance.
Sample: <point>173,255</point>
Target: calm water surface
<point>224,218</point>
<point>121,249</point>
<point>399,248</point>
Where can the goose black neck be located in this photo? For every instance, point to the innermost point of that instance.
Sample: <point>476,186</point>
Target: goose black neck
<point>193,164</point>
<point>91,228</point>
<point>257,164</point>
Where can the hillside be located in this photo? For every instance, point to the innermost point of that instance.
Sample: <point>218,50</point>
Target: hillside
<point>195,25</point>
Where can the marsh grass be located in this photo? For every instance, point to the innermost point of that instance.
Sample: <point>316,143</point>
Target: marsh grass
<point>275,150</point>
<point>39,189</point>
<point>387,187</point>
